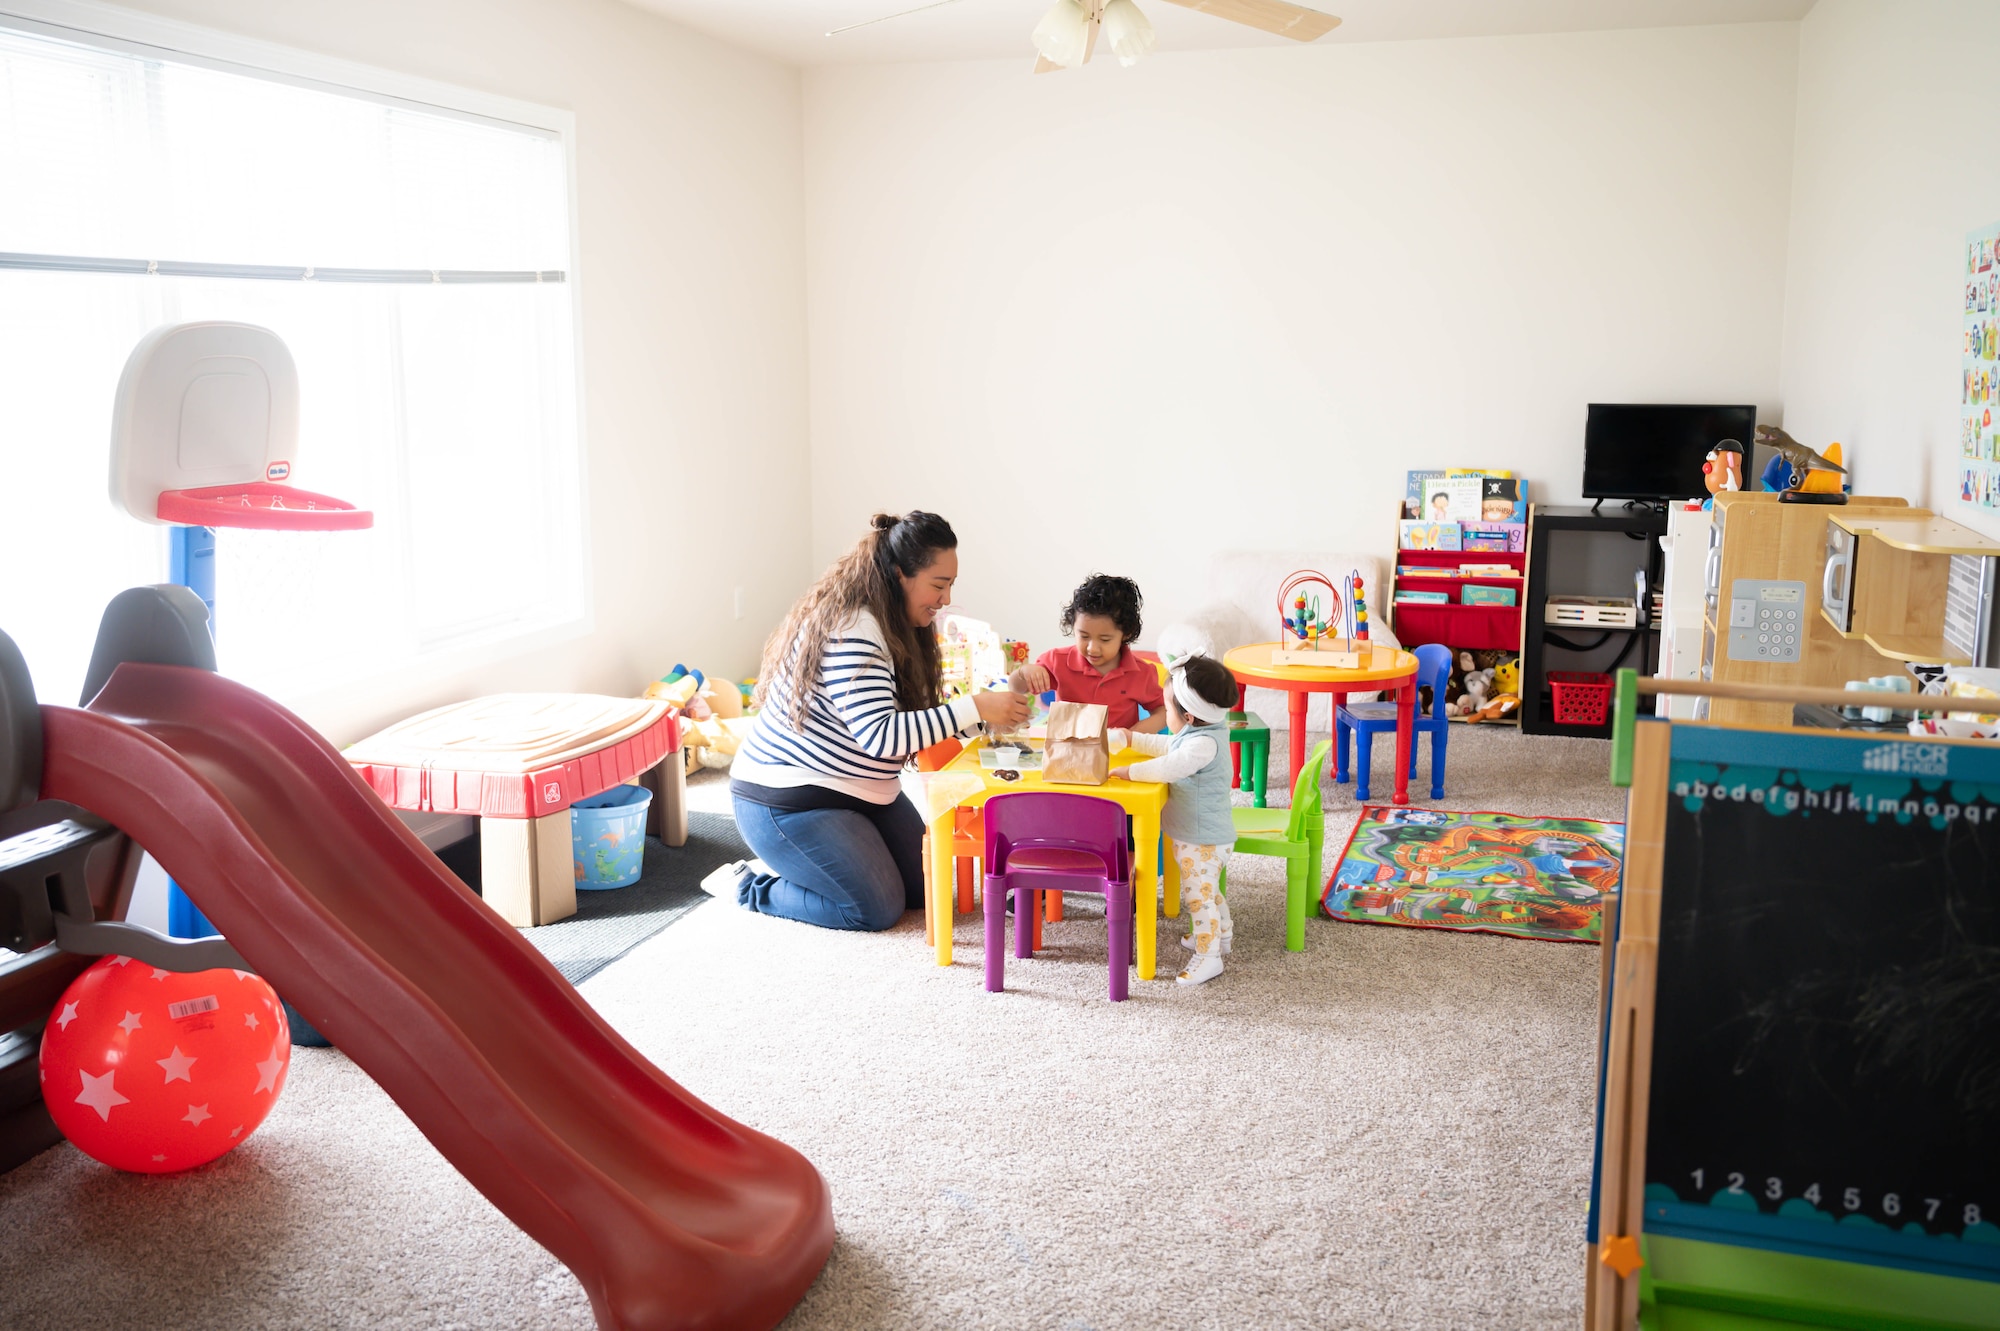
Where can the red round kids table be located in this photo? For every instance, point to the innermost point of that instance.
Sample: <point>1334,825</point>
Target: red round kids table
<point>1389,671</point>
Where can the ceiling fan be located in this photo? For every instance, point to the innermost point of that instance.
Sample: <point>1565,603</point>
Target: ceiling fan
<point>1067,35</point>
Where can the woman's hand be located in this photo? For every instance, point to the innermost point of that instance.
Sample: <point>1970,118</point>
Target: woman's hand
<point>1031,679</point>
<point>1004,711</point>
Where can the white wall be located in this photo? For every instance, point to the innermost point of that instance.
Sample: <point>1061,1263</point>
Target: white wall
<point>1895,165</point>
<point>689,208</point>
<point>1123,319</point>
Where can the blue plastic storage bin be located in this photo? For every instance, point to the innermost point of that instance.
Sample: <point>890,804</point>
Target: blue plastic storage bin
<point>607,835</point>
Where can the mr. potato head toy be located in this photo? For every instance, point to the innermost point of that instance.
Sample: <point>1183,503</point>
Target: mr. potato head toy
<point>1722,471</point>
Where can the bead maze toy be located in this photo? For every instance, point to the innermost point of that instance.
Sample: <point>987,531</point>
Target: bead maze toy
<point>205,435</point>
<point>1301,619</point>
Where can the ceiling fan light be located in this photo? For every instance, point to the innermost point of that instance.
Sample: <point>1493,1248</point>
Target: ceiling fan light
<point>1129,31</point>
<point>1063,34</point>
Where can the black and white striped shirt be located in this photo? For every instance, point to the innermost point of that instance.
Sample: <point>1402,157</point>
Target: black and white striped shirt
<point>855,740</point>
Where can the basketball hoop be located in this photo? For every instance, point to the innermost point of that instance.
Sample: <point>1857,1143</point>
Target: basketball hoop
<point>262,506</point>
<point>206,428</point>
<point>204,432</point>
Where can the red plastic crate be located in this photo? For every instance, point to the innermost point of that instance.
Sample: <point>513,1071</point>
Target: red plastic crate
<point>1582,697</point>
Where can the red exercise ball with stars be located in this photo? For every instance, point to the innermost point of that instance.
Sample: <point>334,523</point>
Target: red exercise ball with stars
<point>154,1071</point>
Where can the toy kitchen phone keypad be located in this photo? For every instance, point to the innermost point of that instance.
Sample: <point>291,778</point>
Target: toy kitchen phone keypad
<point>1766,620</point>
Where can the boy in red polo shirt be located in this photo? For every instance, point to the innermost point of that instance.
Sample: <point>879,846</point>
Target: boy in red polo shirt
<point>1103,613</point>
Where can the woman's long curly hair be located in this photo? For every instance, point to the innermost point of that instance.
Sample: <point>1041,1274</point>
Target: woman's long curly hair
<point>863,579</point>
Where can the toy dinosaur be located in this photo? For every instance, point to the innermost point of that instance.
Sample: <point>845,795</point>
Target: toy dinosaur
<point>1791,450</point>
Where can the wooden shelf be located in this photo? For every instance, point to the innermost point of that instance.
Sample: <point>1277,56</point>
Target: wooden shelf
<point>1915,647</point>
<point>1832,623</point>
<point>1600,628</point>
<point>1921,532</point>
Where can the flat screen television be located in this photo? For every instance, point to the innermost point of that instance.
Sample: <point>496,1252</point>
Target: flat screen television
<point>1640,451</point>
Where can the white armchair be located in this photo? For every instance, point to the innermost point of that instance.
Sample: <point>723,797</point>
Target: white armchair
<point>1240,607</point>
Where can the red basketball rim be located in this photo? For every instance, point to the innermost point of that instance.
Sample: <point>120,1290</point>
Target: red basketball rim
<point>261,505</point>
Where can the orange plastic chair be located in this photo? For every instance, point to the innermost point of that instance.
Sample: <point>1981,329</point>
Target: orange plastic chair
<point>968,840</point>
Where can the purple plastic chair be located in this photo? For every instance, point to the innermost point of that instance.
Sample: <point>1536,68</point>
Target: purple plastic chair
<point>1045,842</point>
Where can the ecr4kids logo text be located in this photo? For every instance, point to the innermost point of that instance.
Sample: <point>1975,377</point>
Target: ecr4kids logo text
<point>1908,759</point>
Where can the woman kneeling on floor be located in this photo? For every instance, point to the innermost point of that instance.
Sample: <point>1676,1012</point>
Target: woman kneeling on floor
<point>851,685</point>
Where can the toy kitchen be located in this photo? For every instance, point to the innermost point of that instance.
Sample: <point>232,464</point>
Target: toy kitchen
<point>1817,595</point>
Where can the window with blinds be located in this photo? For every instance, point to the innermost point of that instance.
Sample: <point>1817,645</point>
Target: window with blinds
<point>413,258</point>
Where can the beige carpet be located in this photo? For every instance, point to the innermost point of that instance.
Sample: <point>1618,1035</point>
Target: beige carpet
<point>1391,1129</point>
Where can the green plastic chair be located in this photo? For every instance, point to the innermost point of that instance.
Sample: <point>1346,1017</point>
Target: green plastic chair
<point>1295,835</point>
<point>1248,731</point>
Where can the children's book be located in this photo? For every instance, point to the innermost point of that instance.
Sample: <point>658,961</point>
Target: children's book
<point>1474,594</point>
<point>1430,535</point>
<point>1413,494</point>
<point>1425,571</point>
<point>1511,537</point>
<point>1503,499</point>
<point>1452,499</point>
<point>1423,598</point>
<point>1474,570</point>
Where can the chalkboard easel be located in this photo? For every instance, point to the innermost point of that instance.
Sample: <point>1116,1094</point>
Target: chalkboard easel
<point>1800,1094</point>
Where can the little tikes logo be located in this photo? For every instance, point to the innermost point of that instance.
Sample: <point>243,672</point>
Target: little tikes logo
<point>1908,759</point>
<point>277,471</point>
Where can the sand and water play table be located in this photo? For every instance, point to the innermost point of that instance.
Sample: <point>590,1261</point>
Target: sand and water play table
<point>517,761</point>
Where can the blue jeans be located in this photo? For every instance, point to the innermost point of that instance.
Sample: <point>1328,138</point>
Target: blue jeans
<point>834,868</point>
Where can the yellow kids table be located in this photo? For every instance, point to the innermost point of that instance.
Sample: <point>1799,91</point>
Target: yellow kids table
<point>964,783</point>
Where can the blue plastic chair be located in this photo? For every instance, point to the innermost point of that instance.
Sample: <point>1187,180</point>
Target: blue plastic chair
<point>1364,719</point>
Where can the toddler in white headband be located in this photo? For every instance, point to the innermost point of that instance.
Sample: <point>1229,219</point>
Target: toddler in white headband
<point>1194,761</point>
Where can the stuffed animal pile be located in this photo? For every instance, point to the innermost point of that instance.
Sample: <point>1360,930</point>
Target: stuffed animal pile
<point>712,711</point>
<point>1482,693</point>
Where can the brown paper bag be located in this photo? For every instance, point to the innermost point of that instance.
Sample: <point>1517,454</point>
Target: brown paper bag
<point>1078,749</point>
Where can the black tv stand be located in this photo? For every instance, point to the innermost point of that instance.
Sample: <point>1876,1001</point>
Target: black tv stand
<point>1560,561</point>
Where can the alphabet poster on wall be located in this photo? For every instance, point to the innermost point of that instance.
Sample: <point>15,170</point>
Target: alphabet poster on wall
<point>1979,467</point>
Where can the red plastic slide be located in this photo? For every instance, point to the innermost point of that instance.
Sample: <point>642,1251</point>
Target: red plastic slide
<point>671,1215</point>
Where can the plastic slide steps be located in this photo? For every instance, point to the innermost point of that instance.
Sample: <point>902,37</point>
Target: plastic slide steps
<point>670,1214</point>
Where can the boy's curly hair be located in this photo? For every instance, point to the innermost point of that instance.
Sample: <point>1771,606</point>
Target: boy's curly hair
<point>1106,594</point>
